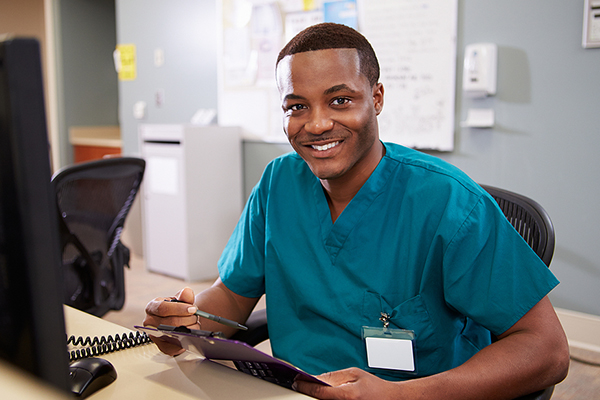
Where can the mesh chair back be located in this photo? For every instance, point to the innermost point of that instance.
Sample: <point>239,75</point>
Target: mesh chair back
<point>93,201</point>
<point>529,219</point>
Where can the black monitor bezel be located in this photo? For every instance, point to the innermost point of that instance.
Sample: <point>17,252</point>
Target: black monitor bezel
<point>32,319</point>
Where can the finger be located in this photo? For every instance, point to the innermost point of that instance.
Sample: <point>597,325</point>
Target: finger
<point>341,377</point>
<point>161,308</point>
<point>169,348</point>
<point>186,295</point>
<point>190,321</point>
<point>315,390</point>
<point>340,382</point>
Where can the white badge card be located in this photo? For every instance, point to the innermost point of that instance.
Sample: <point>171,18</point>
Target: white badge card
<point>390,348</point>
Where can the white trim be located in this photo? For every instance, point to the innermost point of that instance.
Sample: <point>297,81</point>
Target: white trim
<point>583,330</point>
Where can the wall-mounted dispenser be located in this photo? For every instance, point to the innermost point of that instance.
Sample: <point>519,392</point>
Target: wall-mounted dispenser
<point>591,24</point>
<point>480,70</point>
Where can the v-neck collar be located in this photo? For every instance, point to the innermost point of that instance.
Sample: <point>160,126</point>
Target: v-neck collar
<point>335,234</point>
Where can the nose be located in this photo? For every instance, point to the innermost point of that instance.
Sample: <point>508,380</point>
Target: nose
<point>319,122</point>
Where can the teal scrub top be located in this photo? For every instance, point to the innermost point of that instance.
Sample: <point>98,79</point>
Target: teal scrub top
<point>419,241</point>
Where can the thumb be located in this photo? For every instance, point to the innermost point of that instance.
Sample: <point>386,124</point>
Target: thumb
<point>186,295</point>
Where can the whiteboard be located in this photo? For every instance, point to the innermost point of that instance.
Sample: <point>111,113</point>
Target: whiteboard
<point>415,42</point>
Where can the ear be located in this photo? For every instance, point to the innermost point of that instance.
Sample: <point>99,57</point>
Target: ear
<point>378,98</point>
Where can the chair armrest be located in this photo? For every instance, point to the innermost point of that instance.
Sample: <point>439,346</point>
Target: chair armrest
<point>257,329</point>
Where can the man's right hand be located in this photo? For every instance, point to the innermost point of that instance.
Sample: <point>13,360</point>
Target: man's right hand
<point>162,311</point>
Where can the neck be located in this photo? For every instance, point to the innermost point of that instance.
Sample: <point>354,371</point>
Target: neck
<point>340,191</point>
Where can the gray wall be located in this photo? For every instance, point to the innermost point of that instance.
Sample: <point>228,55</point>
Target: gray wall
<point>546,136</point>
<point>86,77</point>
<point>186,31</point>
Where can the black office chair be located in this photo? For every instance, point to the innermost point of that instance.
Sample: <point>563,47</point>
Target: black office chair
<point>529,219</point>
<point>93,200</point>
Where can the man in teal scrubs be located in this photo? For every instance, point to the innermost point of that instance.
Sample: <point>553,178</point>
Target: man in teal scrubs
<point>348,229</point>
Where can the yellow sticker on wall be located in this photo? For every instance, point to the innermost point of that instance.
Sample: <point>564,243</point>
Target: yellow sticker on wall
<point>125,61</point>
<point>309,5</point>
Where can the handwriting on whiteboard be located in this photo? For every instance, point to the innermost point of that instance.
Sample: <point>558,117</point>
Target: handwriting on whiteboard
<point>415,42</point>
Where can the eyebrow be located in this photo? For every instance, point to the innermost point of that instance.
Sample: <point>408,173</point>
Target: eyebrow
<point>331,90</point>
<point>292,96</point>
<point>338,88</point>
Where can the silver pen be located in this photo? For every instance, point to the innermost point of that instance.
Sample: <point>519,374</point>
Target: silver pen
<point>215,318</point>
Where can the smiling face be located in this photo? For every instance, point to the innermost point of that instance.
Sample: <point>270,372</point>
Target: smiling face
<point>330,112</point>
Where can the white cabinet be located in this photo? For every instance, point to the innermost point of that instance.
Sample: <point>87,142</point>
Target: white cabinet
<point>192,197</point>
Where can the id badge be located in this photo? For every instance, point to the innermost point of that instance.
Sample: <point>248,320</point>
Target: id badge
<point>389,348</point>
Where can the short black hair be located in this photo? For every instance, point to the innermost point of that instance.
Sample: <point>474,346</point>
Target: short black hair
<point>335,36</point>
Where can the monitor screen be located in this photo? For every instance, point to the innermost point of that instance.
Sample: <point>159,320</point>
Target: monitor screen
<point>32,330</point>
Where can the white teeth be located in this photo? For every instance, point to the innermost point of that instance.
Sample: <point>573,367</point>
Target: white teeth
<point>326,146</point>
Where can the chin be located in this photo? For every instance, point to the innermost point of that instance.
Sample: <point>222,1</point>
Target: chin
<point>325,173</point>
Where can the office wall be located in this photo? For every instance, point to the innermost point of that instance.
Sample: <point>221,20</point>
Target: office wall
<point>185,31</point>
<point>86,77</point>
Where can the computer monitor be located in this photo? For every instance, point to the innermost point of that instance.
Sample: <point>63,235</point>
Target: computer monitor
<point>32,329</point>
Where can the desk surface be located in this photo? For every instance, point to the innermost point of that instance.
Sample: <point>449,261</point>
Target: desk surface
<point>146,373</point>
<point>18,384</point>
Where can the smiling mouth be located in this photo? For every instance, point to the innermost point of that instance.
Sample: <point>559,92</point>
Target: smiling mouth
<point>325,146</point>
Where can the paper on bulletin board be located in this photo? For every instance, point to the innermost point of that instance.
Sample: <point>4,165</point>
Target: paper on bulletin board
<point>125,62</point>
<point>415,42</point>
<point>252,38</point>
<point>239,62</point>
<point>267,33</point>
<point>341,12</point>
<point>298,21</point>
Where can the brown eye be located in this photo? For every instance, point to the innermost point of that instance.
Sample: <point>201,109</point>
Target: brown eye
<point>340,101</point>
<point>295,107</point>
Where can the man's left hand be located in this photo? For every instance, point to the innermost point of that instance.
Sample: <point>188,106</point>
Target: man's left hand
<point>347,384</point>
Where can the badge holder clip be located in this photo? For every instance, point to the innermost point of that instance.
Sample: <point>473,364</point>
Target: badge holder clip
<point>390,348</point>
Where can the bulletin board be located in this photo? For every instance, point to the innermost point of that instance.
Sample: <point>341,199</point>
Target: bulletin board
<point>415,42</point>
